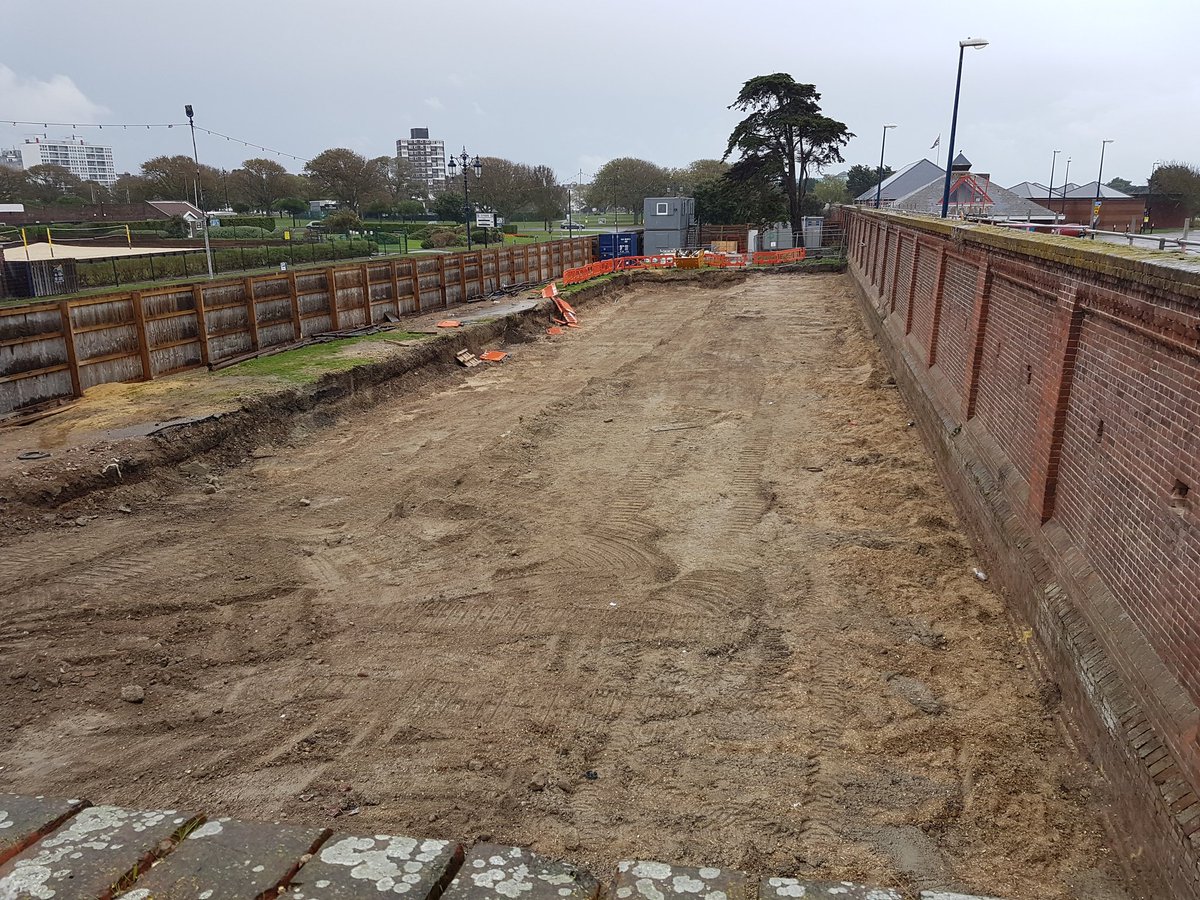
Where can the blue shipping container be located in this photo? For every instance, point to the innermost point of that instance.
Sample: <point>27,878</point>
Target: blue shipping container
<point>623,243</point>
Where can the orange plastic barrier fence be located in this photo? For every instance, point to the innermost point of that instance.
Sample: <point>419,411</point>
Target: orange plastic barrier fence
<point>775,257</point>
<point>715,260</point>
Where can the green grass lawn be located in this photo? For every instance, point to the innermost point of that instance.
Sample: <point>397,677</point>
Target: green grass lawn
<point>307,364</point>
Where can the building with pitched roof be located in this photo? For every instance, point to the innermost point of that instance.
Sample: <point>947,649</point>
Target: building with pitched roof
<point>919,187</point>
<point>908,179</point>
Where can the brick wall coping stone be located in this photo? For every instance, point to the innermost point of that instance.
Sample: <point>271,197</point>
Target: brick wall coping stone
<point>1159,269</point>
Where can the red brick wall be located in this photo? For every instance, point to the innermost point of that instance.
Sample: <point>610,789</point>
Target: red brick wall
<point>1132,430</point>
<point>1080,369</point>
<point>954,329</point>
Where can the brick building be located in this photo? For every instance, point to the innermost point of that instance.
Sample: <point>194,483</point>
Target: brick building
<point>1118,211</point>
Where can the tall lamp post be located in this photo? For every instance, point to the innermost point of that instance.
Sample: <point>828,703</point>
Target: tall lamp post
<point>882,147</point>
<point>452,166</point>
<point>199,195</point>
<point>1050,192</point>
<point>1099,181</point>
<point>1066,181</point>
<point>1148,223</point>
<point>978,44</point>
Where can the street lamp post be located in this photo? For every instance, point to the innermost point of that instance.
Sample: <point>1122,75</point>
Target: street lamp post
<point>1050,192</point>
<point>1147,222</point>
<point>199,195</point>
<point>882,147</point>
<point>1099,181</point>
<point>467,163</point>
<point>978,44</point>
<point>1066,181</point>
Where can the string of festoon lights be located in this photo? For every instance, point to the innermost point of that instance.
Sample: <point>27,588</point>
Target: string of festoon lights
<point>125,126</point>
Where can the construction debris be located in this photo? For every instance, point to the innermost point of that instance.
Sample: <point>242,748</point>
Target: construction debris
<point>467,358</point>
<point>449,323</point>
<point>493,355</point>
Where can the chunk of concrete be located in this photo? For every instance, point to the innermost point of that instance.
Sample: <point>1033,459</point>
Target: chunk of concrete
<point>644,880</point>
<point>950,895</point>
<point>348,867</point>
<point>494,872</point>
<point>92,853</point>
<point>226,858</point>
<point>25,819</point>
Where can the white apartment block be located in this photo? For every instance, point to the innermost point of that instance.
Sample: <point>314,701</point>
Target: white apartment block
<point>90,162</point>
<point>428,157</point>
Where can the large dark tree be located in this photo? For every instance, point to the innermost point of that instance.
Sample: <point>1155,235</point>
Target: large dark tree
<point>174,178</point>
<point>448,206</point>
<point>862,178</point>
<point>624,183</point>
<point>347,177</point>
<point>1180,181</point>
<point>260,182</point>
<point>722,201</point>
<point>784,138</point>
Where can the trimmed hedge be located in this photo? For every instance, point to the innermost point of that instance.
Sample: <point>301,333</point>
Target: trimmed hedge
<point>409,228</point>
<point>99,273</point>
<point>267,223</point>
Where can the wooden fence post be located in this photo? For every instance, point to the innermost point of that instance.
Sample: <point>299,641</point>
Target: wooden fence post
<point>139,321</point>
<point>251,311</point>
<point>414,270</point>
<point>366,286</point>
<point>462,278</point>
<point>441,262</point>
<point>331,288</point>
<point>201,322</point>
<point>294,298</point>
<point>393,272</point>
<point>68,333</point>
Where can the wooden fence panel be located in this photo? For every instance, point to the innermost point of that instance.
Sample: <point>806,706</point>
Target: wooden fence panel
<point>54,351</point>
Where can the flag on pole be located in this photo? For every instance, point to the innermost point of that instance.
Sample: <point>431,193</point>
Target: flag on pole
<point>936,143</point>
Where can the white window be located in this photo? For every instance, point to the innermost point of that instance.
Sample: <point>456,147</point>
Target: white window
<point>661,209</point>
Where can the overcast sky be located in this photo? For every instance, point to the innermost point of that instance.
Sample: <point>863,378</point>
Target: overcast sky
<point>573,83</point>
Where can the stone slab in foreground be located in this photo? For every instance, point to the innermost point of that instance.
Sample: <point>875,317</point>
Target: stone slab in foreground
<point>92,852</point>
<point>226,858</point>
<point>645,880</point>
<point>25,819</point>
<point>494,872</point>
<point>383,865</point>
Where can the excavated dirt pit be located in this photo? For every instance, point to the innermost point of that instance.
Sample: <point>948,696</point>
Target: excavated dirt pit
<point>680,585</point>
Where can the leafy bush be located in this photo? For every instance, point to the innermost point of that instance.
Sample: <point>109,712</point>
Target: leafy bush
<point>510,229</point>
<point>176,227</point>
<point>342,220</point>
<point>442,237</point>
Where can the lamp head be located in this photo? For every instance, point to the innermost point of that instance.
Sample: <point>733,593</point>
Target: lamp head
<point>452,166</point>
<point>477,166</point>
<point>977,43</point>
<point>889,126</point>
<point>187,110</point>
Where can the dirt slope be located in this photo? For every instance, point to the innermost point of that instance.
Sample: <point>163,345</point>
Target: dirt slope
<point>681,586</point>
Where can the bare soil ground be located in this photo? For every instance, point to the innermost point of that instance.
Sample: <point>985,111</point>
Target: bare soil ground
<point>680,586</point>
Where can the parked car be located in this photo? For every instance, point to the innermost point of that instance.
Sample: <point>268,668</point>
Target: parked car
<point>570,226</point>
